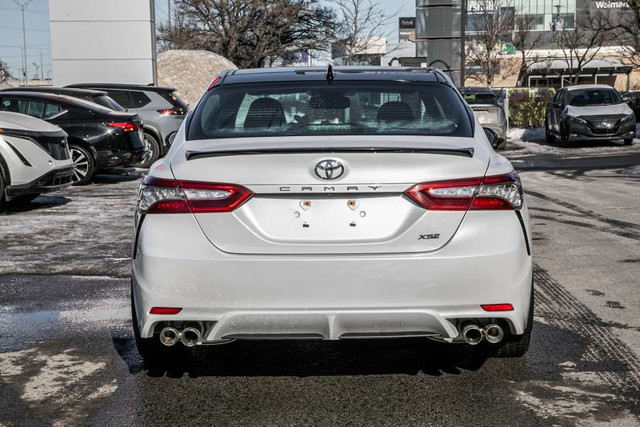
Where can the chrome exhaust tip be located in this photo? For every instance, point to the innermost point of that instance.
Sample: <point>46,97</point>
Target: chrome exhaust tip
<point>190,337</point>
<point>493,333</point>
<point>169,336</point>
<point>472,334</point>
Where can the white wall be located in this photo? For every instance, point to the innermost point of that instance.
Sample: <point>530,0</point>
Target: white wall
<point>102,41</point>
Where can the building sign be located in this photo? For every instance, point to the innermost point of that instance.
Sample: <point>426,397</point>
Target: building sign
<point>609,5</point>
<point>407,27</point>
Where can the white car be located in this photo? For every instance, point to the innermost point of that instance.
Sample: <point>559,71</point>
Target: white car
<point>34,158</point>
<point>342,204</point>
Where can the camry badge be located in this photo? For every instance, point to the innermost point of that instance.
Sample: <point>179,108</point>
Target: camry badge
<point>329,169</point>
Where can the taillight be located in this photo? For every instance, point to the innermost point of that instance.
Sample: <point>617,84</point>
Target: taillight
<point>170,196</point>
<point>125,126</point>
<point>175,111</point>
<point>499,192</point>
<point>497,307</point>
<point>165,310</point>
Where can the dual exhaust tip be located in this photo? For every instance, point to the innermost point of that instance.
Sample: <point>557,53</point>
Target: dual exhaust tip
<point>473,334</point>
<point>189,337</point>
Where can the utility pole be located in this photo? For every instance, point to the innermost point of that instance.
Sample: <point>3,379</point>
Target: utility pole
<point>23,7</point>
<point>41,68</point>
<point>463,41</point>
<point>169,14</point>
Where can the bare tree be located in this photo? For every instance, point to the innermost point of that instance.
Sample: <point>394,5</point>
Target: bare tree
<point>492,22</point>
<point>580,46</point>
<point>625,23</point>
<point>361,25</point>
<point>525,40</point>
<point>250,33</point>
<point>4,71</point>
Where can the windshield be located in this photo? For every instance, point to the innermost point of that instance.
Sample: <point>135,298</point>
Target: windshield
<point>343,108</point>
<point>586,97</point>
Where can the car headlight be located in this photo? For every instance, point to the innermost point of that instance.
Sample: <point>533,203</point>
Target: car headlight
<point>627,118</point>
<point>578,120</point>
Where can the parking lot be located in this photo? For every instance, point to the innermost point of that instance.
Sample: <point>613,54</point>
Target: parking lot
<point>67,353</point>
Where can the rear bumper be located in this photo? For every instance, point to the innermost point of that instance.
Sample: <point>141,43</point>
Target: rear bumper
<point>333,297</point>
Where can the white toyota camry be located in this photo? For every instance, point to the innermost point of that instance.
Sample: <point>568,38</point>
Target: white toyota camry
<point>332,204</point>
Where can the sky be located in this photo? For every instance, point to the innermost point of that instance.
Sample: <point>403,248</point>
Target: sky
<point>39,43</point>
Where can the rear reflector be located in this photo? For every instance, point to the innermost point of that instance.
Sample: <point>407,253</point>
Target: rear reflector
<point>497,307</point>
<point>125,126</point>
<point>170,196</point>
<point>165,310</point>
<point>499,192</point>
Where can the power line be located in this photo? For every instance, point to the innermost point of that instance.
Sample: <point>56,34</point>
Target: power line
<point>43,12</point>
<point>6,27</point>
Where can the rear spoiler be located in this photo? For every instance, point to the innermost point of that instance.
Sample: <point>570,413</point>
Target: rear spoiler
<point>464,152</point>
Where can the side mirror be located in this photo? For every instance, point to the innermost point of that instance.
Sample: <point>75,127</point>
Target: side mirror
<point>492,136</point>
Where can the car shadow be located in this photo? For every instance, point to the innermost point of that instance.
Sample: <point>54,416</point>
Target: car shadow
<point>115,176</point>
<point>307,358</point>
<point>41,202</point>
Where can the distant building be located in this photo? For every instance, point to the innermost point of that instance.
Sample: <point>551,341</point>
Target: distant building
<point>366,52</point>
<point>406,29</point>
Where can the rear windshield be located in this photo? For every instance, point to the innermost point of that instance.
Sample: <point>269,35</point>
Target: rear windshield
<point>585,97</point>
<point>480,98</point>
<point>175,100</point>
<point>107,101</point>
<point>343,108</point>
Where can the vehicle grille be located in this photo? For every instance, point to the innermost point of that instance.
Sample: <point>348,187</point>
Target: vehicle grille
<point>56,146</point>
<point>61,177</point>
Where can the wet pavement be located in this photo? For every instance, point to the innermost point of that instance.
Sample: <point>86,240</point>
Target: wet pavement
<point>67,355</point>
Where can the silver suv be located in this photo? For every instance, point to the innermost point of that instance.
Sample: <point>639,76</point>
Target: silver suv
<point>161,110</point>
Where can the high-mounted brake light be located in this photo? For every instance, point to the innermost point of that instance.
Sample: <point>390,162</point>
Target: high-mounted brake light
<point>497,307</point>
<point>499,192</point>
<point>125,126</point>
<point>165,310</point>
<point>166,196</point>
<point>214,82</point>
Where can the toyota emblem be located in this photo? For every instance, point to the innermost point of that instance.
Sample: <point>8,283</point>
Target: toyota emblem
<point>329,169</point>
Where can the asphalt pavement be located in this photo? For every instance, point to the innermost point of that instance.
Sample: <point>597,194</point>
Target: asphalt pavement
<point>67,355</point>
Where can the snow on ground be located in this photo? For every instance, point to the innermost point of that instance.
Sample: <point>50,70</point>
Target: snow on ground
<point>532,141</point>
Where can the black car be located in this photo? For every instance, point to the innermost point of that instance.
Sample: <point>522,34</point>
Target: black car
<point>99,138</point>
<point>161,109</point>
<point>96,96</point>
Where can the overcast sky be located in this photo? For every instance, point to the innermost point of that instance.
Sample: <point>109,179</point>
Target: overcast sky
<point>38,39</point>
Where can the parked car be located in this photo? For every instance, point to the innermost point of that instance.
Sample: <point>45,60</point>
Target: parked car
<point>318,221</point>
<point>99,138</point>
<point>96,96</point>
<point>632,98</point>
<point>487,108</point>
<point>162,112</point>
<point>34,158</point>
<point>589,112</point>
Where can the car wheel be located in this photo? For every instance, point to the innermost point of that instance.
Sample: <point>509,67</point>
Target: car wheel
<point>153,151</point>
<point>152,351</point>
<point>565,142</point>
<point>502,145</point>
<point>518,345</point>
<point>2,186</point>
<point>83,163</point>
<point>628,141</point>
<point>548,136</point>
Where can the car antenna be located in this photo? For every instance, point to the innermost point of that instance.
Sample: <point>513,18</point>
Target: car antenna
<point>329,74</point>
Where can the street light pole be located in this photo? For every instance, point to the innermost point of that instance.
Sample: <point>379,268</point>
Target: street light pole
<point>23,7</point>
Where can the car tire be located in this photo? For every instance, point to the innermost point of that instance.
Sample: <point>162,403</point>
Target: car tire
<point>84,164</point>
<point>518,345</point>
<point>502,145</point>
<point>2,186</point>
<point>628,141</point>
<point>548,136</point>
<point>152,351</point>
<point>565,142</point>
<point>153,151</point>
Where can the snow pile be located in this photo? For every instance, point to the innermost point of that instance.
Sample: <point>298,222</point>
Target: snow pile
<point>190,71</point>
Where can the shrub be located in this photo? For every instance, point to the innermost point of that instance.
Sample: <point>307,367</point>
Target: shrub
<point>527,107</point>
